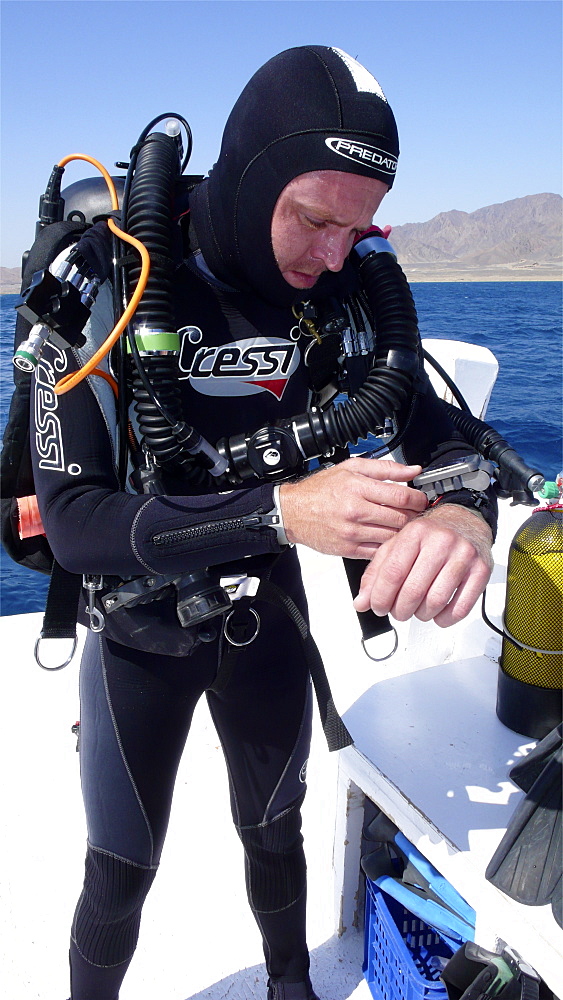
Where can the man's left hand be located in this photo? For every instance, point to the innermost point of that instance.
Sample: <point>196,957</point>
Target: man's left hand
<point>434,568</point>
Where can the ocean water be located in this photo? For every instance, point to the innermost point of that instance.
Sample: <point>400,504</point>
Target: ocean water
<point>520,322</point>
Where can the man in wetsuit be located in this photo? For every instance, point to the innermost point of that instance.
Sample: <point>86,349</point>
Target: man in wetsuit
<point>308,153</point>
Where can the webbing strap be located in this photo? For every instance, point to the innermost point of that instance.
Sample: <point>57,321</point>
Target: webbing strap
<point>337,736</point>
<point>61,609</point>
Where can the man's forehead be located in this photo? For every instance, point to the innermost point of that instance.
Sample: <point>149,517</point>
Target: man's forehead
<point>323,190</point>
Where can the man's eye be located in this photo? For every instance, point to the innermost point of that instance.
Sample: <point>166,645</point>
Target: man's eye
<point>314,223</point>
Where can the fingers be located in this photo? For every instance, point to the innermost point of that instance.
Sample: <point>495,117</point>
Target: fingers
<point>424,573</point>
<point>377,483</point>
<point>386,574</point>
<point>383,468</point>
<point>464,598</point>
<point>350,509</point>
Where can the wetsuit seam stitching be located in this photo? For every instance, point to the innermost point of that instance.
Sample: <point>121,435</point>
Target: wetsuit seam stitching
<point>118,857</point>
<point>95,965</point>
<point>334,87</point>
<point>90,380</point>
<point>265,821</point>
<point>280,909</point>
<point>228,766</point>
<point>132,536</point>
<point>122,752</point>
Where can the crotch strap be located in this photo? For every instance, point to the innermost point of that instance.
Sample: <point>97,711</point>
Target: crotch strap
<point>336,733</point>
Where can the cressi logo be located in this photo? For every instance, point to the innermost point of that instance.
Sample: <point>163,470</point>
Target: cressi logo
<point>370,156</point>
<point>48,431</point>
<point>242,368</point>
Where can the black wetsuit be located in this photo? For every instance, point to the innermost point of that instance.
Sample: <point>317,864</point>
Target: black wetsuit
<point>136,706</point>
<point>241,366</point>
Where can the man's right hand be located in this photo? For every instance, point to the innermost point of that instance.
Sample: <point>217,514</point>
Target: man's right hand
<point>351,508</point>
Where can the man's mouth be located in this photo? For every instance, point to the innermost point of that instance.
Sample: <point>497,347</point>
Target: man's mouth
<point>305,277</point>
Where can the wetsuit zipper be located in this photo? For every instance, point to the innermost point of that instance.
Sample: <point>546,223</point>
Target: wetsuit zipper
<point>198,531</point>
<point>253,521</point>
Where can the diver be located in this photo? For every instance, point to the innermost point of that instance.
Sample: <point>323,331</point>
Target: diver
<point>308,153</point>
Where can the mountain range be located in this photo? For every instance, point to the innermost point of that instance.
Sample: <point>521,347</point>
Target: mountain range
<point>518,239</point>
<point>522,231</point>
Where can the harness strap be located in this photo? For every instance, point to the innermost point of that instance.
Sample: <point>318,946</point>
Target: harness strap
<point>61,609</point>
<point>241,633</point>
<point>336,733</point>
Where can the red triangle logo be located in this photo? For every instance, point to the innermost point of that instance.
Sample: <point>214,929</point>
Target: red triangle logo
<point>276,386</point>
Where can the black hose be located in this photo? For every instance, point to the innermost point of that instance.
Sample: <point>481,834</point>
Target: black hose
<point>149,219</point>
<point>514,478</point>
<point>390,381</point>
<point>153,423</point>
<point>456,393</point>
<point>389,389</point>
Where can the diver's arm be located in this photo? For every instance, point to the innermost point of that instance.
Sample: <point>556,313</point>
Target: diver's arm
<point>432,440</point>
<point>93,526</point>
<point>435,568</point>
<point>432,566</point>
<point>351,508</point>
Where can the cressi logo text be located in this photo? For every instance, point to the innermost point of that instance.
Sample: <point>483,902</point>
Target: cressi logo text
<point>48,431</point>
<point>241,368</point>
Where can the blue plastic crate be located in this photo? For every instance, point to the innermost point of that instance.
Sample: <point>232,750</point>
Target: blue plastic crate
<point>403,956</point>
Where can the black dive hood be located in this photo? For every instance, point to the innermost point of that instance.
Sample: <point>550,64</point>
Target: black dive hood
<point>308,108</point>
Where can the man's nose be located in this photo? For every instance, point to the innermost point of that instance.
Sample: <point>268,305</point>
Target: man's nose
<point>332,249</point>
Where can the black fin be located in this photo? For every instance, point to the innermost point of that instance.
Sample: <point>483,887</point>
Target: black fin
<point>525,772</point>
<point>528,861</point>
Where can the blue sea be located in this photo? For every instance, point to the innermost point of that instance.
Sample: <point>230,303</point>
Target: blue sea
<point>520,322</point>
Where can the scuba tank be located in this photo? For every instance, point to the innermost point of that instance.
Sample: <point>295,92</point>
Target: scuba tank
<point>531,663</point>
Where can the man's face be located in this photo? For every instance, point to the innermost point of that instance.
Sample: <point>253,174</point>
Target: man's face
<point>316,220</point>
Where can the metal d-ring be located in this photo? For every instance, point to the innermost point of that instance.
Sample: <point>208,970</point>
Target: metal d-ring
<point>61,665</point>
<point>233,642</point>
<point>379,659</point>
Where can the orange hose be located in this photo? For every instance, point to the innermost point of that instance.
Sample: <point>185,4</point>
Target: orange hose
<point>70,381</point>
<point>109,378</point>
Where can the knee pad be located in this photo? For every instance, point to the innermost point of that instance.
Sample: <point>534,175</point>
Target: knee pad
<point>275,861</point>
<point>108,914</point>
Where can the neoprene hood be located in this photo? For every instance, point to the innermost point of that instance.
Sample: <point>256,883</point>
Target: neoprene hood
<point>308,108</point>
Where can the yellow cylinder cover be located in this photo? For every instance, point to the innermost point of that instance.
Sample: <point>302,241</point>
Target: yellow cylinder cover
<point>534,601</point>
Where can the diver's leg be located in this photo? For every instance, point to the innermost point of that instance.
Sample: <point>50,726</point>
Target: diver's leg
<point>136,710</point>
<point>263,717</point>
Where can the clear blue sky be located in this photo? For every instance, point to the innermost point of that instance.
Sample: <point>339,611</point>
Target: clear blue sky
<point>475,86</point>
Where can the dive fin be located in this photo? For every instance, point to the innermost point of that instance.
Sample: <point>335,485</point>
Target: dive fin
<point>399,869</point>
<point>525,772</point>
<point>527,864</point>
<point>473,973</point>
